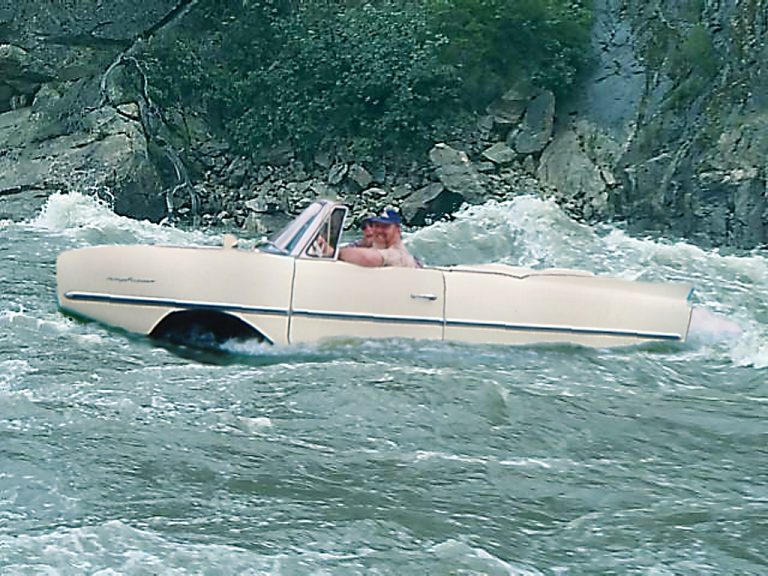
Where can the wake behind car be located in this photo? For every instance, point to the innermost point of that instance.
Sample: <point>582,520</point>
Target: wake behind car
<point>294,289</point>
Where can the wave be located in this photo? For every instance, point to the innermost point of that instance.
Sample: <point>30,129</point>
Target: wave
<point>90,220</point>
<point>116,548</point>
<point>475,560</point>
<point>533,232</point>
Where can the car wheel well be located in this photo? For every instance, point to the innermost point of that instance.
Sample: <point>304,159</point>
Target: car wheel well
<point>204,327</point>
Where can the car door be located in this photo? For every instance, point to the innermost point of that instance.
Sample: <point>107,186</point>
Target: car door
<point>334,299</point>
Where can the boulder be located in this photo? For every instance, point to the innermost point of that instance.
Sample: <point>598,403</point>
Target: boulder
<point>506,112</point>
<point>565,167</point>
<point>500,154</point>
<point>457,173</point>
<point>337,173</point>
<point>359,177</point>
<point>430,203</point>
<point>536,128</point>
<point>69,113</point>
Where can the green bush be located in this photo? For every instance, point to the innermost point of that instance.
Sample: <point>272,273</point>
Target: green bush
<point>497,43</point>
<point>365,76</point>
<point>374,77</point>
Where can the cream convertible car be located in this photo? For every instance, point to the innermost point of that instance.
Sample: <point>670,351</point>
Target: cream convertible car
<point>289,291</point>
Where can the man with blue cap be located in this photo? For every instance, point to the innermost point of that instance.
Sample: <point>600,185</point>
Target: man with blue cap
<point>387,249</point>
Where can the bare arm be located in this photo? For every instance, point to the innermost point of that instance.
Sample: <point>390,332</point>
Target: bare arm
<point>369,257</point>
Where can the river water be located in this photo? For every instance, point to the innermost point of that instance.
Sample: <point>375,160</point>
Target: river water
<point>120,456</point>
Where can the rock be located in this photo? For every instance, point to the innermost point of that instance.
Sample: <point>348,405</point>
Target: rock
<point>429,203</point>
<point>566,167</point>
<point>379,175</point>
<point>500,154</point>
<point>749,210</point>
<point>21,76</point>
<point>375,192</point>
<point>402,191</point>
<point>103,152</point>
<point>506,112</point>
<point>337,173</point>
<point>441,154</point>
<point>486,167</point>
<point>237,172</point>
<point>264,173</point>
<point>281,155</point>
<point>323,159</point>
<point>256,205</point>
<point>457,173</point>
<point>536,127</point>
<point>359,176</point>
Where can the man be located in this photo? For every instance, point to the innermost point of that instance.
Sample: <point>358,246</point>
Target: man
<point>366,226</point>
<point>387,248</point>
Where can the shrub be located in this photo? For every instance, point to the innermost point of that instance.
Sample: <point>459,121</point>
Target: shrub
<point>376,77</point>
<point>496,43</point>
<point>369,76</point>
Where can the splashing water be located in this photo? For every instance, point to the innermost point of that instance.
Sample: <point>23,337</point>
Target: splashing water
<point>89,221</point>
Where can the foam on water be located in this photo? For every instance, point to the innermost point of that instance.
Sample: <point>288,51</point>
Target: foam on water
<point>12,371</point>
<point>90,220</point>
<point>115,548</point>
<point>475,560</point>
<point>529,231</point>
<point>750,350</point>
<point>518,231</point>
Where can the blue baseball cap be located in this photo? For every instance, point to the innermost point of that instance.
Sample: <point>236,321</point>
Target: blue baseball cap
<point>388,216</point>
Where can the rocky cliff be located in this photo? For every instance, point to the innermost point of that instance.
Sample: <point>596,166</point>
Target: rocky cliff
<point>668,134</point>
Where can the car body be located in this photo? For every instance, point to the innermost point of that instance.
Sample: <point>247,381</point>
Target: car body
<point>287,291</point>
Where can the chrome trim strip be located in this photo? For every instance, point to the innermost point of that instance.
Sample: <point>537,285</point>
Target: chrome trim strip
<point>368,317</point>
<point>566,329</point>
<point>171,303</point>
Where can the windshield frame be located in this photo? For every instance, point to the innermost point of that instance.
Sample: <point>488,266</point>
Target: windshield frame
<point>295,237</point>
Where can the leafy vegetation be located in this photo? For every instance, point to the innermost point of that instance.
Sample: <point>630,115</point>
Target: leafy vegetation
<point>388,75</point>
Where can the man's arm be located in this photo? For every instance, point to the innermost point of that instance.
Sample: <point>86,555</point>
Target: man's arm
<point>370,257</point>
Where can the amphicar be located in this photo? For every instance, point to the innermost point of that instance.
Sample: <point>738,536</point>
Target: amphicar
<point>288,291</point>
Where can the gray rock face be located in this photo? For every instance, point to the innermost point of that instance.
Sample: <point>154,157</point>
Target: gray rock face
<point>689,114</point>
<point>59,129</point>
<point>21,75</point>
<point>567,168</point>
<point>66,41</point>
<point>104,153</point>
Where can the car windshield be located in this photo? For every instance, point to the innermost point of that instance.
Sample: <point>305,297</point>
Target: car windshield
<point>284,241</point>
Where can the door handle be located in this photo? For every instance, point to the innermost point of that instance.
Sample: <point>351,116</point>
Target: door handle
<point>430,297</point>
